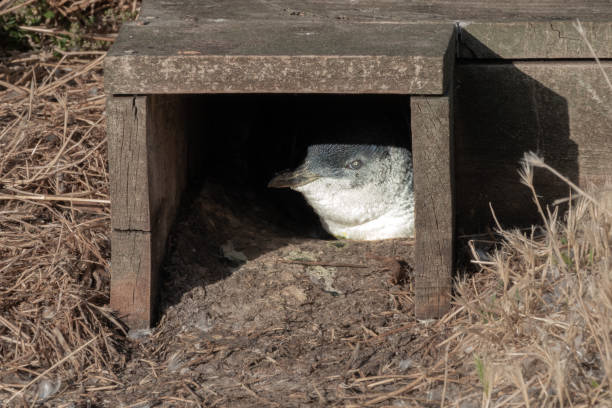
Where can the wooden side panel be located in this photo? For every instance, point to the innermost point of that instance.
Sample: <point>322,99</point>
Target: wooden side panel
<point>148,162</point>
<point>147,159</point>
<point>127,157</point>
<point>433,183</point>
<point>167,158</point>
<point>134,278</point>
<point>559,109</point>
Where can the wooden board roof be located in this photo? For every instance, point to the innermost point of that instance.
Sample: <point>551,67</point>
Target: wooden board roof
<point>339,46</point>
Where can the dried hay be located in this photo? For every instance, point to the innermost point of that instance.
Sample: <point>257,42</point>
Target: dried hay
<point>538,318</point>
<point>54,222</point>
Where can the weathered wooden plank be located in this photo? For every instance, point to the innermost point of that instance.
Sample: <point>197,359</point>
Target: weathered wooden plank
<point>433,183</point>
<point>148,164</point>
<point>167,157</point>
<point>368,11</point>
<point>282,74</point>
<point>128,165</point>
<point>335,46</point>
<point>134,280</point>
<point>534,40</point>
<point>147,150</point>
<point>136,259</point>
<point>255,57</point>
<point>559,109</point>
<point>283,38</point>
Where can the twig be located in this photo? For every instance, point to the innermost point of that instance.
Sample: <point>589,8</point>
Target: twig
<point>445,376</point>
<point>45,197</point>
<point>17,7</point>
<point>71,53</point>
<point>257,397</point>
<point>8,85</point>
<point>396,392</point>
<point>390,332</point>
<point>578,26</point>
<point>145,402</point>
<point>314,263</point>
<point>385,377</point>
<point>55,33</point>
<point>195,396</point>
<point>534,160</point>
<point>69,77</point>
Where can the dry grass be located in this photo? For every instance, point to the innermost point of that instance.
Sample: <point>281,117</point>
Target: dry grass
<point>539,316</point>
<point>54,222</point>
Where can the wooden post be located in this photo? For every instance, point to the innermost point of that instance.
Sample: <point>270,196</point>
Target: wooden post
<point>147,163</point>
<point>433,183</point>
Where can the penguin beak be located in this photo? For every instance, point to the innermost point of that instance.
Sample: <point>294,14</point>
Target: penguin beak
<point>292,179</point>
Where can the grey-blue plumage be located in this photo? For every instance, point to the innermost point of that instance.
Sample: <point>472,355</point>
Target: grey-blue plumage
<point>359,191</point>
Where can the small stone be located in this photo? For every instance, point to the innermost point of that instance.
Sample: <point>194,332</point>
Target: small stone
<point>293,292</point>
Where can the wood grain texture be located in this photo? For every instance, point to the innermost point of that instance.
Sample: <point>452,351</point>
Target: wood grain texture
<point>167,157</point>
<point>534,39</point>
<point>136,259</point>
<point>148,164</point>
<point>128,162</point>
<point>336,46</point>
<point>433,183</point>
<point>369,11</point>
<point>559,109</point>
<point>257,56</point>
<point>275,74</point>
<point>147,151</point>
<point>134,278</point>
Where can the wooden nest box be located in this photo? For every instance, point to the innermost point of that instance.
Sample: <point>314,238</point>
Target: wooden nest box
<point>486,80</point>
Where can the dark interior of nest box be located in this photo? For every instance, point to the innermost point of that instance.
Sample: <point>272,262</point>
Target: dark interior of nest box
<point>239,142</point>
<point>236,144</point>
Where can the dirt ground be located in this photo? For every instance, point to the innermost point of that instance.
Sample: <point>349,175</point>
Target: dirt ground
<point>253,314</point>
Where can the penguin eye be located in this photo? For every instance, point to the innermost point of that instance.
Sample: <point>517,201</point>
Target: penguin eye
<point>355,165</point>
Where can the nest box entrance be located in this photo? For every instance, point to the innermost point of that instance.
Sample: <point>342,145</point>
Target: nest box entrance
<point>502,84</point>
<point>156,64</point>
